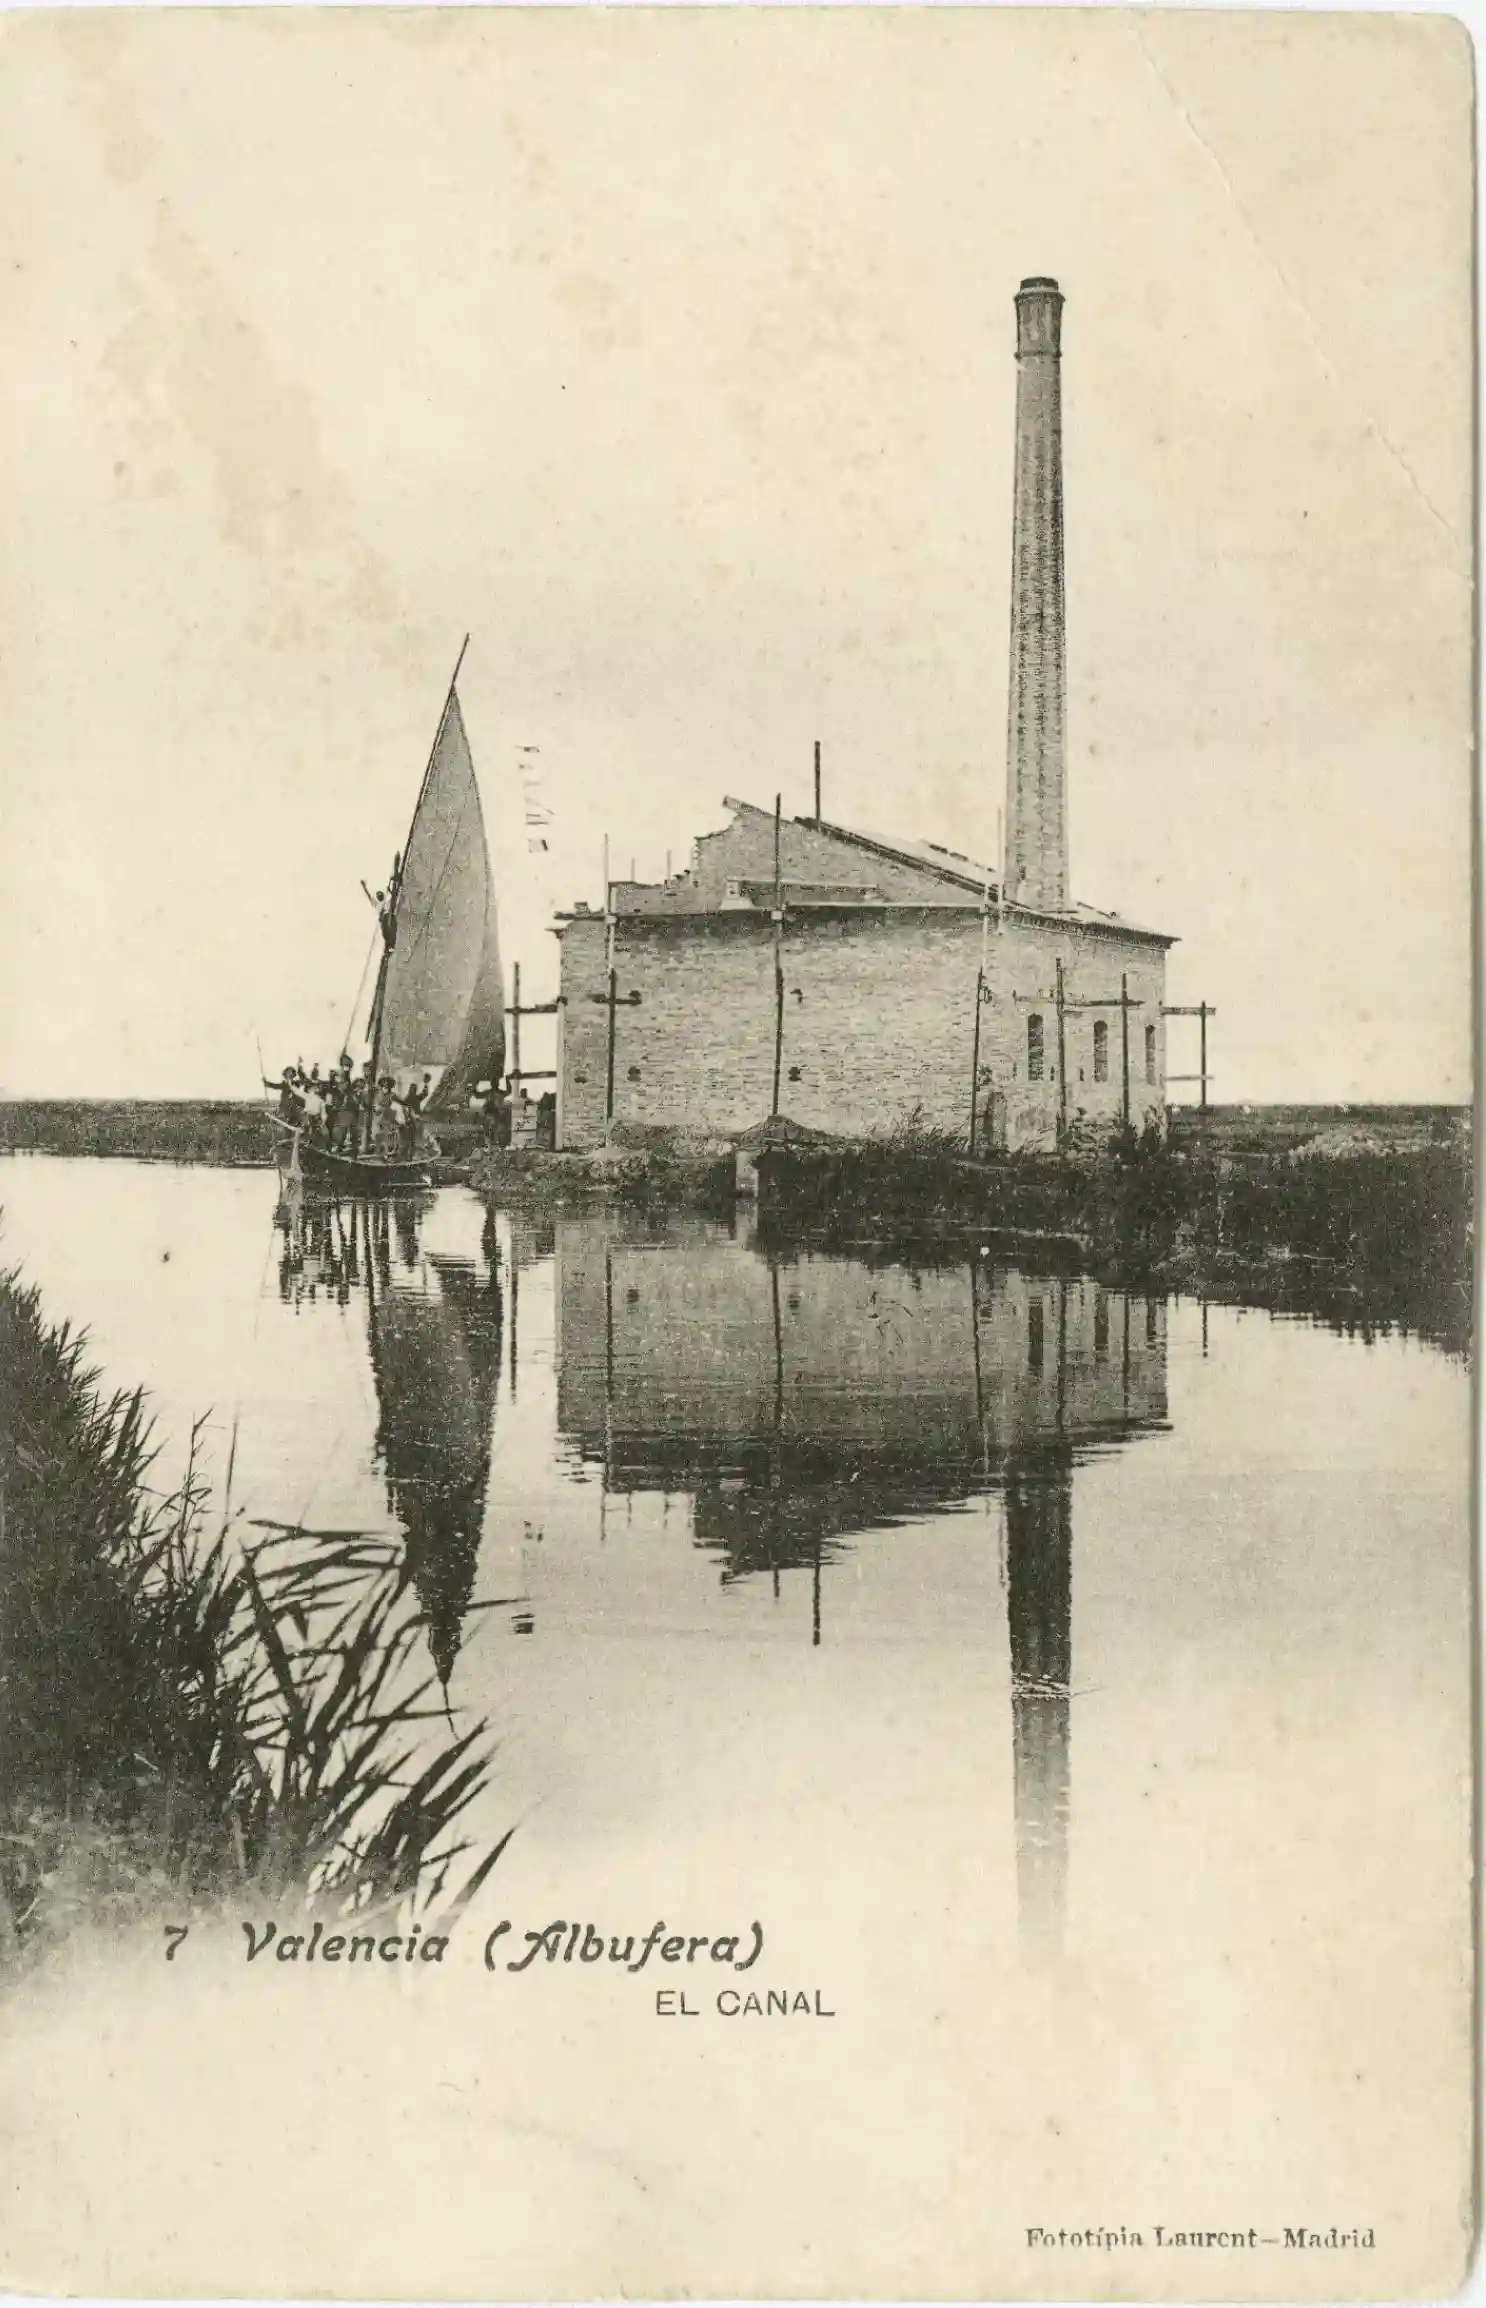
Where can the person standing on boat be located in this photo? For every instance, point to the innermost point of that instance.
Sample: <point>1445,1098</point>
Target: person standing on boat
<point>352,1108</point>
<point>288,1090</point>
<point>385,902</point>
<point>314,1105</point>
<point>343,1106</point>
<point>412,1118</point>
<point>384,1118</point>
<point>427,1143</point>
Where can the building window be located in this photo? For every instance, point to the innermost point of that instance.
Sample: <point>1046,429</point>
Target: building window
<point>1034,1334</point>
<point>1150,1053</point>
<point>1101,1049</point>
<point>1101,1324</point>
<point>1034,1048</point>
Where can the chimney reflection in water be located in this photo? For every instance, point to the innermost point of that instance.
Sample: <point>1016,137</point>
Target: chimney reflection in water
<point>1037,1490</point>
<point>1039,1599</point>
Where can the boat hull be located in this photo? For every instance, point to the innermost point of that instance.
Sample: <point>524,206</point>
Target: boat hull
<point>356,1174</point>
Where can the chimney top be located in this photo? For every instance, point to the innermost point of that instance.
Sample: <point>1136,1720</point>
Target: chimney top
<point>1039,317</point>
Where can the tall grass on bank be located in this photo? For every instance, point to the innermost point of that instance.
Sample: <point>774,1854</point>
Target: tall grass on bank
<point>186,1718</point>
<point>1395,1229</point>
<point>1381,1236</point>
<point>217,1130</point>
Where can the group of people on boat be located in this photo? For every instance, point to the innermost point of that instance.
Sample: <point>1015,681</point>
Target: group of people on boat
<point>346,1111</point>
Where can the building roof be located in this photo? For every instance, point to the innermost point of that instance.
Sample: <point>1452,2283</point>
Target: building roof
<point>729,875</point>
<point>947,863</point>
<point>967,873</point>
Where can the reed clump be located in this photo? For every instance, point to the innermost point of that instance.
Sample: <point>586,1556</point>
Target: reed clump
<point>1376,1234</point>
<point>218,1130</point>
<point>184,1716</point>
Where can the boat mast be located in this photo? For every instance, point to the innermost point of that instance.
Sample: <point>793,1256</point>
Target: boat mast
<point>394,891</point>
<point>386,925</point>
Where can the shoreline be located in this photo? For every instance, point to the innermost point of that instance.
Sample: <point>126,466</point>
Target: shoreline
<point>176,1734</point>
<point>1371,1235</point>
<point>1367,1210</point>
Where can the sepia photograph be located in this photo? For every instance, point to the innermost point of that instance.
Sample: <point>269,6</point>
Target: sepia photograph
<point>736,1154</point>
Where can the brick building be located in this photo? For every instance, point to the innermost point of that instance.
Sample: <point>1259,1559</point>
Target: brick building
<point>881,947</point>
<point>670,1009</point>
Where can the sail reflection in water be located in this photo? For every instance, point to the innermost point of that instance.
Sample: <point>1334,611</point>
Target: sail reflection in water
<point>804,1399</point>
<point>434,1325</point>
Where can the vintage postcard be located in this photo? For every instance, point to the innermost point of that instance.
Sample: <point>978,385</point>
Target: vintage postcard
<point>735,1154</point>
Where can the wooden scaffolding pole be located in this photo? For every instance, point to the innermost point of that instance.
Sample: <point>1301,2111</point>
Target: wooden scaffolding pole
<point>1201,1011</point>
<point>516,1010</point>
<point>1062,1058</point>
<point>1124,1001</point>
<point>980,995</point>
<point>778,958</point>
<point>612,976</point>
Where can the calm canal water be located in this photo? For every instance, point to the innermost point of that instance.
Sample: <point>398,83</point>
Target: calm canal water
<point>974,1628</point>
<point>612,1432</point>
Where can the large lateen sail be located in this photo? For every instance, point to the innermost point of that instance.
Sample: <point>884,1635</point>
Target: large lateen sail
<point>443,994</point>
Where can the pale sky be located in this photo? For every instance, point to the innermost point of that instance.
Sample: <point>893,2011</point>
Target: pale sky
<point>670,355</point>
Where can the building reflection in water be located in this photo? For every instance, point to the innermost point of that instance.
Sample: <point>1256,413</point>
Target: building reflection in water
<point>434,1333</point>
<point>799,1400</point>
<point>804,1399</point>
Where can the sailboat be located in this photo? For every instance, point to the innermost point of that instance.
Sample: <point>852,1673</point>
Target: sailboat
<point>439,1004</point>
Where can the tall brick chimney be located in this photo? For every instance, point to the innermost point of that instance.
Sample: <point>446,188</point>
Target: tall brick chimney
<point>1035,863</point>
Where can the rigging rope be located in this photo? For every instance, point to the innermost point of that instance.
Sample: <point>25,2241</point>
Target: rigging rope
<point>360,987</point>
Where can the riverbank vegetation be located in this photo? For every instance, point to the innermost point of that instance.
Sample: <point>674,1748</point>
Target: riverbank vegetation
<point>187,1717</point>
<point>1383,1235</point>
<point>1369,1238</point>
<point>238,1133</point>
<point>1348,1225</point>
<point>664,1175</point>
